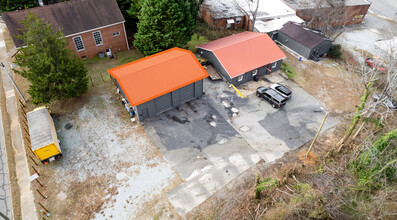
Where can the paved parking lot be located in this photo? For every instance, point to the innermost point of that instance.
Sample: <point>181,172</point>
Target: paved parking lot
<point>212,140</point>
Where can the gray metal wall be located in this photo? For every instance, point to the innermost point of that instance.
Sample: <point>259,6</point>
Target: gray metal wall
<point>214,62</point>
<point>170,100</point>
<point>323,47</point>
<point>121,91</point>
<point>294,45</point>
<point>261,72</point>
<point>247,76</point>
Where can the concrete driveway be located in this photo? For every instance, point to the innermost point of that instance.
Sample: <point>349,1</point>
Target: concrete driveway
<point>212,140</point>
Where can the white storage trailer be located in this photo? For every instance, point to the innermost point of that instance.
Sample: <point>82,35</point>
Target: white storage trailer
<point>43,136</point>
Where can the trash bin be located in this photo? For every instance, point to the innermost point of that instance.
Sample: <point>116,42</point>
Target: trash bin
<point>101,55</point>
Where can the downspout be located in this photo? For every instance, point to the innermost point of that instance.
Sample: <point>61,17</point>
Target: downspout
<point>125,35</point>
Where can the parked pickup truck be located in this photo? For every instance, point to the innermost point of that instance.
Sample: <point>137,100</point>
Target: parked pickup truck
<point>43,137</point>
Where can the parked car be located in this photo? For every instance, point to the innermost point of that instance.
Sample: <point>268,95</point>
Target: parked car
<point>282,90</point>
<point>271,96</point>
<point>388,103</point>
<point>374,64</point>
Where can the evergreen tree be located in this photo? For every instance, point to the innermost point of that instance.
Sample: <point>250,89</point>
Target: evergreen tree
<point>54,71</point>
<point>135,8</point>
<point>163,24</point>
<point>12,5</point>
<point>194,8</point>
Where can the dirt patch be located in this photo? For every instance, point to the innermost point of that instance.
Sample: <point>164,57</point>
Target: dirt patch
<point>109,166</point>
<point>323,81</point>
<point>308,158</point>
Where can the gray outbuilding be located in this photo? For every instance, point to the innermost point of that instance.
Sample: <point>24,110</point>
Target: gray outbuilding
<point>157,83</point>
<point>308,43</point>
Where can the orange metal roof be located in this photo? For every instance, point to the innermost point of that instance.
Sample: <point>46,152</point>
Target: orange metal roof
<point>244,52</point>
<point>158,74</point>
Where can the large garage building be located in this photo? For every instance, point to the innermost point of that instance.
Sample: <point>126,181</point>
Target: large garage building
<point>160,82</point>
<point>243,57</point>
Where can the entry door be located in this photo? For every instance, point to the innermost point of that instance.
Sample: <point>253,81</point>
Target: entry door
<point>268,67</point>
<point>144,113</point>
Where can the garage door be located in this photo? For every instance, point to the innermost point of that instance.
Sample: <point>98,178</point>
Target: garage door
<point>186,93</point>
<point>163,103</point>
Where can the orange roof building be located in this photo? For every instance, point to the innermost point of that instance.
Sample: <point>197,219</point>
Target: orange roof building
<point>156,83</point>
<point>243,57</point>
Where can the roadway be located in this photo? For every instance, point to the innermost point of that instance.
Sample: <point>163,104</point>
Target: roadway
<point>386,8</point>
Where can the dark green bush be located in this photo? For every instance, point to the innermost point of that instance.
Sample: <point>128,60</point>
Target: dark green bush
<point>335,51</point>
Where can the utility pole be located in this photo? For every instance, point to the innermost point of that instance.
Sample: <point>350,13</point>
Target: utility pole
<point>318,132</point>
<point>12,80</point>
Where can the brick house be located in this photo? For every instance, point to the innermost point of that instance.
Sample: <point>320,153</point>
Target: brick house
<point>91,26</point>
<point>271,14</point>
<point>218,15</point>
<point>347,12</point>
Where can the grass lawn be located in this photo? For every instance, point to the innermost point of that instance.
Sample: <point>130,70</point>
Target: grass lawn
<point>196,40</point>
<point>97,66</point>
<point>288,69</point>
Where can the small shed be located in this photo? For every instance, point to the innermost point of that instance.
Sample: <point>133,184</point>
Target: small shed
<point>243,57</point>
<point>306,42</point>
<point>159,82</point>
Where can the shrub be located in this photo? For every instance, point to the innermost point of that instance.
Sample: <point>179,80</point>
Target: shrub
<point>335,51</point>
<point>268,183</point>
<point>375,165</point>
<point>288,69</point>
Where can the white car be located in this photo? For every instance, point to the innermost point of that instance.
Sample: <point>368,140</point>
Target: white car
<point>282,90</point>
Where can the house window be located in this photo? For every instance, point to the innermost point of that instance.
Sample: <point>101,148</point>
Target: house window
<point>229,23</point>
<point>238,20</point>
<point>78,42</point>
<point>254,72</point>
<point>274,64</point>
<point>97,38</point>
<point>240,78</point>
<point>115,34</point>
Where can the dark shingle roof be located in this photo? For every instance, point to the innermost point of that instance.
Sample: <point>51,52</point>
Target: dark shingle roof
<point>302,35</point>
<point>72,16</point>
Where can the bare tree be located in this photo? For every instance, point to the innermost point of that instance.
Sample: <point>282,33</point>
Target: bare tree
<point>323,14</point>
<point>250,10</point>
<point>381,79</point>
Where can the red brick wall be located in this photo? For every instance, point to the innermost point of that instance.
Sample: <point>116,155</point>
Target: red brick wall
<point>348,15</point>
<point>91,50</point>
<point>205,14</point>
<point>355,14</point>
